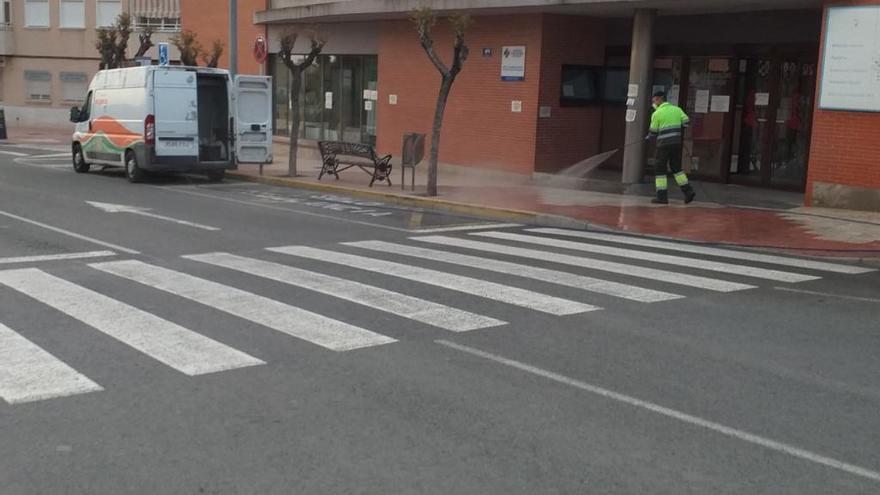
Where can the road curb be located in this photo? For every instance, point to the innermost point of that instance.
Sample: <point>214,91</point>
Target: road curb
<point>493,213</point>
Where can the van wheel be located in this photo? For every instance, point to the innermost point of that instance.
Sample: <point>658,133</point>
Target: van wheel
<point>79,160</point>
<point>132,171</point>
<point>216,176</point>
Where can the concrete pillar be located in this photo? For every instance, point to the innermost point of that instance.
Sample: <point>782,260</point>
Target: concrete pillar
<point>641,73</point>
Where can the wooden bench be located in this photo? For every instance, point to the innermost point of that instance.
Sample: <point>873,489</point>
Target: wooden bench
<point>339,156</point>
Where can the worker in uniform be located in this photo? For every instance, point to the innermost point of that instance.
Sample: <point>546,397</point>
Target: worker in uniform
<point>667,127</point>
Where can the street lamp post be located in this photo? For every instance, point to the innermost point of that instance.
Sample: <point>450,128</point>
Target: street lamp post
<point>233,37</point>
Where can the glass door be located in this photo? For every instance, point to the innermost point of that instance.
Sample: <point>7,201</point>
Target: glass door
<point>711,83</point>
<point>774,110</point>
<point>755,115</point>
<point>791,134</point>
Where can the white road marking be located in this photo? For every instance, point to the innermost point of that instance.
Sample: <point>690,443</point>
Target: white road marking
<point>56,257</point>
<point>398,304</point>
<point>69,233</point>
<point>696,263</point>
<point>590,284</point>
<point>281,208</point>
<point>671,413</point>
<point>13,153</point>
<point>30,374</point>
<point>826,294</point>
<point>461,228</point>
<point>712,251</point>
<point>311,327</point>
<point>480,288</point>
<point>582,262</point>
<point>180,348</point>
<point>144,212</point>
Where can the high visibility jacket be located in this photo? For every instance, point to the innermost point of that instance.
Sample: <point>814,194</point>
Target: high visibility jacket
<point>668,123</point>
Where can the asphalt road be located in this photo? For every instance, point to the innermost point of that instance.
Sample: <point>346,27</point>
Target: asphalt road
<point>152,343</point>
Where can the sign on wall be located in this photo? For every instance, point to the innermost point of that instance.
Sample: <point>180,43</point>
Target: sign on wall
<point>513,63</point>
<point>851,59</point>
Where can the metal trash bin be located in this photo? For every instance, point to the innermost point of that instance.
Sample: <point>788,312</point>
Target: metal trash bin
<point>413,154</point>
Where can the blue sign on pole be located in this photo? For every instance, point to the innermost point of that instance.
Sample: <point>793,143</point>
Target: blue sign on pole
<point>163,54</point>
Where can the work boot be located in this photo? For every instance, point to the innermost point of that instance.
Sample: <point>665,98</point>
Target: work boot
<point>689,193</point>
<point>662,198</point>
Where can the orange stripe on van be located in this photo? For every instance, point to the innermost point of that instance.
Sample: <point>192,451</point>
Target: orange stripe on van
<point>113,131</point>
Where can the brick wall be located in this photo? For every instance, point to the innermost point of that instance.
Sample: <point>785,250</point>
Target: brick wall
<point>571,134</point>
<point>479,128</point>
<point>845,146</point>
<point>210,20</point>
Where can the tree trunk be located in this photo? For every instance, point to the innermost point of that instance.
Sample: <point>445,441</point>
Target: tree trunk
<point>294,119</point>
<point>445,88</point>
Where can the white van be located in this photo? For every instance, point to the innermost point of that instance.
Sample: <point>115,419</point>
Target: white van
<point>173,119</point>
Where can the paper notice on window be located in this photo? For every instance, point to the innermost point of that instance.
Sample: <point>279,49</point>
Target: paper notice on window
<point>568,90</point>
<point>701,105</point>
<point>374,95</point>
<point>762,99</point>
<point>720,103</point>
<point>631,115</point>
<point>328,100</point>
<point>367,94</point>
<point>633,91</point>
<point>674,93</point>
<point>368,105</point>
<point>630,102</point>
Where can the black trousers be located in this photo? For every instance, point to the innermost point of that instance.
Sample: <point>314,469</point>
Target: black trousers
<point>668,156</point>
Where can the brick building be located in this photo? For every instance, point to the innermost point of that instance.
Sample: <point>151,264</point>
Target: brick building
<point>749,74</point>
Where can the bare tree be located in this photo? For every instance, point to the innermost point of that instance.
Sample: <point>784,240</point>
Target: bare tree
<point>145,41</point>
<point>112,42</point>
<point>296,65</point>
<point>212,58</point>
<point>188,44</point>
<point>425,20</point>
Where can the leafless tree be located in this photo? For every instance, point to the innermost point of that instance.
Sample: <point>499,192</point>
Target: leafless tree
<point>296,65</point>
<point>212,58</point>
<point>145,41</point>
<point>112,42</point>
<point>425,20</point>
<point>188,45</point>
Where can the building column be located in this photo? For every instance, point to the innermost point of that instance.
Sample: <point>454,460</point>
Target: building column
<point>641,73</point>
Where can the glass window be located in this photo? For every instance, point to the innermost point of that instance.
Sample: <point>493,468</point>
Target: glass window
<point>36,13</point>
<point>38,85</point>
<point>74,86</point>
<point>580,85</point>
<point>73,14</point>
<point>616,84</point>
<point>108,11</point>
<point>7,13</point>
<point>337,98</point>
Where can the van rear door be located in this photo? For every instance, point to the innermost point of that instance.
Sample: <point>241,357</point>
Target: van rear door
<point>175,93</point>
<point>253,119</point>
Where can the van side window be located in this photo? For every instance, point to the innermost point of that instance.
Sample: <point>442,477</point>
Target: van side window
<point>86,111</point>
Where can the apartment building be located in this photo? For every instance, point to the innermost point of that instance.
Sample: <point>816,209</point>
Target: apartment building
<point>48,55</point>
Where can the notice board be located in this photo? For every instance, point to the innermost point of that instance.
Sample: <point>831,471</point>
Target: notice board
<point>850,78</point>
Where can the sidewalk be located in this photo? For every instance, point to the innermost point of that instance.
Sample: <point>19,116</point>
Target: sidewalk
<point>724,214</point>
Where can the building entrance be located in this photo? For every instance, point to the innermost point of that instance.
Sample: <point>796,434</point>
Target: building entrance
<point>750,107</point>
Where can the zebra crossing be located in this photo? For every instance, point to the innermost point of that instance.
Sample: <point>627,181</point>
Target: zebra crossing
<point>556,258</point>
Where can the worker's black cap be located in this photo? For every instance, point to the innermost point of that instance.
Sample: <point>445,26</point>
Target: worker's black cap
<point>660,94</point>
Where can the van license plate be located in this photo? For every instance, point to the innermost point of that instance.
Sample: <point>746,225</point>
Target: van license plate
<point>178,143</point>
